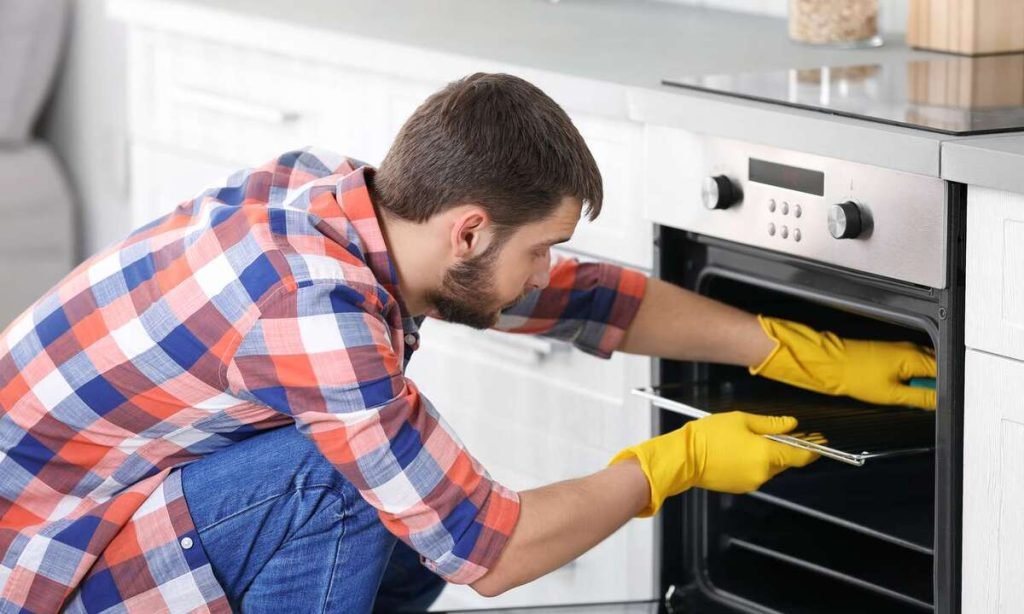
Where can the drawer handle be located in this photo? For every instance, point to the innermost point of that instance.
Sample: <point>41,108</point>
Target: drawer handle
<point>233,106</point>
<point>522,347</point>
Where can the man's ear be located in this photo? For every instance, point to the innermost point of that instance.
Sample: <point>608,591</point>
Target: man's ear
<point>471,232</point>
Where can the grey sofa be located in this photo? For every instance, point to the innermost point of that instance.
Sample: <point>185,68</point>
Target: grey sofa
<point>36,205</point>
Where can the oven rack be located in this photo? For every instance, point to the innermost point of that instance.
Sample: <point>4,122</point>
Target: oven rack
<point>779,556</point>
<point>825,549</point>
<point>874,501</point>
<point>854,432</point>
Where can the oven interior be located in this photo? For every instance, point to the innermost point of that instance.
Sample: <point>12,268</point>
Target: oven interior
<point>830,537</point>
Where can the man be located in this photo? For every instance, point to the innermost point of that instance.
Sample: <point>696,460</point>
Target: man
<point>142,466</point>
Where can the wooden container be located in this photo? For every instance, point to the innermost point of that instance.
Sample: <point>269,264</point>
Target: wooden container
<point>966,27</point>
<point>967,83</point>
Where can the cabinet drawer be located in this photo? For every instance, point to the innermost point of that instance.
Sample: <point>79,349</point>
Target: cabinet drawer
<point>246,105</point>
<point>621,233</point>
<point>994,319</point>
<point>993,495</point>
<point>562,395</point>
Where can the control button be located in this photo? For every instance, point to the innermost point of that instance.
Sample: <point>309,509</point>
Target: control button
<point>785,208</point>
<point>784,232</point>
<point>844,220</point>
<point>771,230</point>
<point>186,543</point>
<point>796,234</point>
<point>718,192</point>
<point>797,210</point>
<point>771,205</point>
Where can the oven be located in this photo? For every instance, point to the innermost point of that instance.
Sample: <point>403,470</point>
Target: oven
<point>862,251</point>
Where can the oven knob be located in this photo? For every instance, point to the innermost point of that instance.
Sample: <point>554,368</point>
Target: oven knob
<point>719,193</point>
<point>844,220</point>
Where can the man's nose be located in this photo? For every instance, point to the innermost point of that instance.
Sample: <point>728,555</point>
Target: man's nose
<point>540,280</point>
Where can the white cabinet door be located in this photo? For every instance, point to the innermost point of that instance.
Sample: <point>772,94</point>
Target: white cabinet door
<point>994,317</point>
<point>533,412</point>
<point>993,529</point>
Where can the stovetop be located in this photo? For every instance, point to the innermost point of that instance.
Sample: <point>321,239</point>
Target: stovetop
<point>956,95</point>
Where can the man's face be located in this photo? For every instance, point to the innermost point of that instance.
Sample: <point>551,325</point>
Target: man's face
<point>473,292</point>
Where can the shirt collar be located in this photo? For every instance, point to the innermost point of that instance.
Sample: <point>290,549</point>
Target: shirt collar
<point>359,212</point>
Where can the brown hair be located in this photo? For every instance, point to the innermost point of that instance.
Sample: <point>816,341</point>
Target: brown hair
<point>491,139</point>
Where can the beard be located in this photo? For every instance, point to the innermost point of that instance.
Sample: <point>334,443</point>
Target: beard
<point>467,294</point>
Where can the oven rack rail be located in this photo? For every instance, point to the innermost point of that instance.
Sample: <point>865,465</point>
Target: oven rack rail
<point>828,571</point>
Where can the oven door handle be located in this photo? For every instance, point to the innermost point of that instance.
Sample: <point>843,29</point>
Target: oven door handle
<point>653,394</point>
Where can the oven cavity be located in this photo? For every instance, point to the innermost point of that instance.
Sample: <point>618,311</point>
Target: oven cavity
<point>868,536</point>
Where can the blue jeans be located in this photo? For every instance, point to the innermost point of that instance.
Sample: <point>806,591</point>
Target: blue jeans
<point>285,532</point>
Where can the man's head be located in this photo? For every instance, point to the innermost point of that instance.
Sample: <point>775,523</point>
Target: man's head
<point>491,173</point>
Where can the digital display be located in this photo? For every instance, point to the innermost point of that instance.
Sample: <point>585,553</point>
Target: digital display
<point>788,177</point>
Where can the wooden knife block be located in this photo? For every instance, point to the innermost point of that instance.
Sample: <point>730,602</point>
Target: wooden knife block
<point>966,27</point>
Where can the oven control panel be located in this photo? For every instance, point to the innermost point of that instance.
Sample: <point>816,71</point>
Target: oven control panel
<point>862,217</point>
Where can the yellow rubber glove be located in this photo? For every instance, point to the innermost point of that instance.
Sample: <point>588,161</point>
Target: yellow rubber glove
<point>723,452</point>
<point>872,371</point>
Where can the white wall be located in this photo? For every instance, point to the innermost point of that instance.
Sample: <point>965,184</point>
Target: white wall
<point>892,13</point>
<point>87,125</point>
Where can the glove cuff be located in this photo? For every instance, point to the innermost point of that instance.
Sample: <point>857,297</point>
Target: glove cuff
<point>656,500</point>
<point>766,326</point>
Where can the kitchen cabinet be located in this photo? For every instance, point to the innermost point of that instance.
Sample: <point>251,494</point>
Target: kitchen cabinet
<point>995,272</point>
<point>532,410</point>
<point>209,101</point>
<point>993,493</point>
<point>993,534</point>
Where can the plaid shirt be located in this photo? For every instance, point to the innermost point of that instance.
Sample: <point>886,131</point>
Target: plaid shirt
<point>269,301</point>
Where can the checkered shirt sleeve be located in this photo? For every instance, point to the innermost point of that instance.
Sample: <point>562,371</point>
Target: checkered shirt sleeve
<point>588,304</point>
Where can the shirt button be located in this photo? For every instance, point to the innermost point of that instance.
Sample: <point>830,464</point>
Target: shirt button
<point>186,543</point>
<point>410,339</point>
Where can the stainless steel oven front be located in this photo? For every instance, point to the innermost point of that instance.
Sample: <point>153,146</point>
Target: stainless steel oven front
<point>865,252</point>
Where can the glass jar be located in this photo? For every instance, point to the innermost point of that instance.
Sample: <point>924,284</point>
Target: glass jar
<point>839,23</point>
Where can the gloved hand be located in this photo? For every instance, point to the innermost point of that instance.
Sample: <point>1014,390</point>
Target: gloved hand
<point>872,371</point>
<point>723,452</point>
